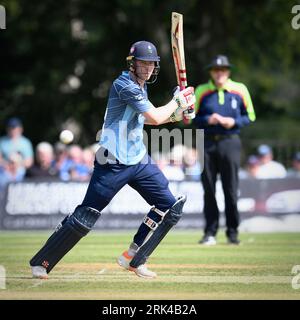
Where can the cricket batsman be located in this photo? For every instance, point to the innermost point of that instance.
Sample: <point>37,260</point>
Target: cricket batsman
<point>123,159</point>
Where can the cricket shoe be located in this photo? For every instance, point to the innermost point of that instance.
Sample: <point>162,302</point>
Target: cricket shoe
<point>143,272</point>
<point>208,240</point>
<point>39,272</point>
<point>233,240</point>
<point>124,260</point>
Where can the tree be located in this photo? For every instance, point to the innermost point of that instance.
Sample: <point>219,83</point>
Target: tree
<point>61,57</point>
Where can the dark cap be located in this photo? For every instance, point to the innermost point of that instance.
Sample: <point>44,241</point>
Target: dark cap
<point>219,61</point>
<point>143,50</point>
<point>14,123</point>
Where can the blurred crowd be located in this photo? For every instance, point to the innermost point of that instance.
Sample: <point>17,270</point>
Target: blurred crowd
<point>263,166</point>
<point>183,164</point>
<point>18,161</point>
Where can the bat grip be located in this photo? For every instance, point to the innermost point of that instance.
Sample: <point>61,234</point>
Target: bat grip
<point>189,110</point>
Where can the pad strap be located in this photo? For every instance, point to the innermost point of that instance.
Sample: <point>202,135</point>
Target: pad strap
<point>150,222</point>
<point>171,218</point>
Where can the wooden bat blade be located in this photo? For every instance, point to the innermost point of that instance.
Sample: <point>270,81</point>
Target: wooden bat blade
<point>178,48</point>
<point>179,59</point>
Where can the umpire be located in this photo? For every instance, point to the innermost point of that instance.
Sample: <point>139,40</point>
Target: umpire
<point>222,107</point>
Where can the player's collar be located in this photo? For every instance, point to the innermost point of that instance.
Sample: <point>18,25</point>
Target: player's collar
<point>226,87</point>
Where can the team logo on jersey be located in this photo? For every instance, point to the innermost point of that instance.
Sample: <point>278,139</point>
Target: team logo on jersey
<point>139,97</point>
<point>233,103</point>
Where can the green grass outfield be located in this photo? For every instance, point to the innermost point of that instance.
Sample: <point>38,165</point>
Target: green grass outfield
<point>260,268</point>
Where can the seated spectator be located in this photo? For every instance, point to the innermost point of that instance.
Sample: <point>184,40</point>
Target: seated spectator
<point>268,168</point>
<point>173,169</point>
<point>191,165</point>
<point>73,168</point>
<point>295,170</point>
<point>12,171</point>
<point>44,166</point>
<point>14,142</point>
<point>252,166</point>
<point>2,162</point>
<point>88,158</point>
<point>160,159</point>
<point>60,155</point>
<point>2,174</point>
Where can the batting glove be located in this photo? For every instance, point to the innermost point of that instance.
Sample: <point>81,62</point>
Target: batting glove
<point>189,114</point>
<point>185,98</point>
<point>176,90</point>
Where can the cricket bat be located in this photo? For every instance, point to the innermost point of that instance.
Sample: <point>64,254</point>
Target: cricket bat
<point>178,57</point>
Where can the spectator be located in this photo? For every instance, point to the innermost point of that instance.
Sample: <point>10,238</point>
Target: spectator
<point>1,161</point>
<point>160,159</point>
<point>60,155</point>
<point>88,157</point>
<point>12,171</point>
<point>295,170</point>
<point>14,142</point>
<point>73,168</point>
<point>2,173</point>
<point>268,168</point>
<point>44,166</point>
<point>251,167</point>
<point>173,169</point>
<point>191,165</point>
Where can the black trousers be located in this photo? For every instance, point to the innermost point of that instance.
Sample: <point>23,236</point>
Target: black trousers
<point>221,155</point>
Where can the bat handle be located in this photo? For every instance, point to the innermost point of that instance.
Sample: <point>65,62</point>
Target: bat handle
<point>186,120</point>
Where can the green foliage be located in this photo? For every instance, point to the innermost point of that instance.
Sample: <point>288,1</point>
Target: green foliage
<point>46,42</point>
